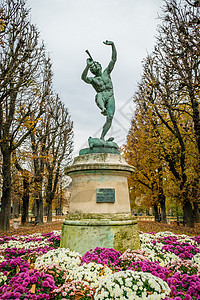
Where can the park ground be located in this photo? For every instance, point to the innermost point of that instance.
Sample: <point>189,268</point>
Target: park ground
<point>145,226</point>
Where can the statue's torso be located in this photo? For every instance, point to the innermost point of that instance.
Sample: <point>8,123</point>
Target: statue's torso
<point>103,83</point>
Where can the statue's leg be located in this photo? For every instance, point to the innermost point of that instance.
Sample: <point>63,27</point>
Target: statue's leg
<point>110,113</point>
<point>100,103</point>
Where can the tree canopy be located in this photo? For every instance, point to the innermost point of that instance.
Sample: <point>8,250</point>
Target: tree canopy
<point>28,105</point>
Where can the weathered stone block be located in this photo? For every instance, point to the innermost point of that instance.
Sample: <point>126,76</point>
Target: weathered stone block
<point>84,234</point>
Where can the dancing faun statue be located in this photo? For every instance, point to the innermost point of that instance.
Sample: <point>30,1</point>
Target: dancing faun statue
<point>102,84</point>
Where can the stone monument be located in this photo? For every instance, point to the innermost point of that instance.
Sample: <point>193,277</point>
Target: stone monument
<point>99,209</point>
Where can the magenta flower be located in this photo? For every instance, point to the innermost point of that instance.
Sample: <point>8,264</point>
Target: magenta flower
<point>45,284</point>
<point>22,282</point>
<point>33,279</point>
<point>105,256</point>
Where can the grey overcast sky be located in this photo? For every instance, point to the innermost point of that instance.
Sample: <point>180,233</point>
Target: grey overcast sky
<point>69,27</point>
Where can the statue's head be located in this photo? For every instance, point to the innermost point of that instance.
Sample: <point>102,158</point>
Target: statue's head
<point>95,68</point>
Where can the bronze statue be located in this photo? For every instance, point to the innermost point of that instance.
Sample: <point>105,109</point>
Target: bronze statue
<point>102,84</point>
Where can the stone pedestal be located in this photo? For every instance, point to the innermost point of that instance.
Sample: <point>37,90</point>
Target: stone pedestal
<point>100,214</point>
<point>88,231</point>
<point>90,172</point>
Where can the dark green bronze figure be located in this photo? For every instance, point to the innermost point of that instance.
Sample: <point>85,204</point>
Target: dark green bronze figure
<point>102,84</point>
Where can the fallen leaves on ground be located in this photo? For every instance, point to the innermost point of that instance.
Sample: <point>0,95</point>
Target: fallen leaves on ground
<point>145,226</point>
<point>149,226</point>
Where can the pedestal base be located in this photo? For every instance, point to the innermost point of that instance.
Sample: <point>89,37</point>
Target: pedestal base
<point>88,231</point>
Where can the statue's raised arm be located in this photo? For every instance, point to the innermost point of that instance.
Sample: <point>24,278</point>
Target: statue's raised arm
<point>84,76</point>
<point>114,56</point>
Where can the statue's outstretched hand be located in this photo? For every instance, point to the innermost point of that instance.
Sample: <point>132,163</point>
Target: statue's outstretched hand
<point>108,43</point>
<point>89,62</point>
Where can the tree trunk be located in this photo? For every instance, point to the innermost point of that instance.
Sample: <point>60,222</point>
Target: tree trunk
<point>156,212</point>
<point>163,211</point>
<point>38,198</point>
<point>49,212</point>
<point>39,208</point>
<point>51,189</point>
<point>40,217</point>
<point>15,208</point>
<point>161,195</point>
<point>195,117</point>
<point>25,199</point>
<point>196,212</point>
<point>49,196</point>
<point>188,215</point>
<point>6,191</point>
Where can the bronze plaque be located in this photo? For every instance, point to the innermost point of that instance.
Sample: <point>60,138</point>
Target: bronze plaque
<point>105,195</point>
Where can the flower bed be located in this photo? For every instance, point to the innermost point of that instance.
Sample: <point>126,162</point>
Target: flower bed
<point>34,267</point>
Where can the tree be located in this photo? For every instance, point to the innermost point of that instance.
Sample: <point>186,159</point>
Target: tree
<point>58,150</point>
<point>195,3</point>
<point>4,19</point>
<point>52,146</point>
<point>20,63</point>
<point>147,181</point>
<point>16,192</point>
<point>178,47</point>
<point>26,177</point>
<point>160,94</point>
<point>170,87</point>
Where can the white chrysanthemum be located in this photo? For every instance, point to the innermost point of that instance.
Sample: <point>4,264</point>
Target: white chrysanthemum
<point>153,245</point>
<point>24,245</point>
<point>36,234</point>
<point>159,288</point>
<point>146,237</point>
<point>1,259</point>
<point>183,238</point>
<point>155,253</point>
<point>91,272</point>
<point>56,232</point>
<point>25,242</point>
<point>164,234</point>
<point>196,259</point>
<point>63,257</point>
<point>3,278</point>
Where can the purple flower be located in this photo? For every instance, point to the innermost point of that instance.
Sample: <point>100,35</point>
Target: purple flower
<point>45,284</point>
<point>33,279</point>
<point>105,256</point>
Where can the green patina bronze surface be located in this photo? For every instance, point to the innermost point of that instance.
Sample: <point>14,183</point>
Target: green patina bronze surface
<point>98,150</point>
<point>100,146</point>
<point>104,98</point>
